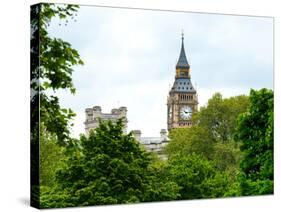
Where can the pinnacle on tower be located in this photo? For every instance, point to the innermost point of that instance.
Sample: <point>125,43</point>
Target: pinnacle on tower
<point>182,62</point>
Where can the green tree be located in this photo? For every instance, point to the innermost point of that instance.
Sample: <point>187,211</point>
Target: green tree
<point>219,116</point>
<point>212,133</point>
<point>110,168</point>
<point>211,138</point>
<point>197,177</point>
<point>255,132</point>
<point>195,139</point>
<point>52,61</point>
<point>51,157</point>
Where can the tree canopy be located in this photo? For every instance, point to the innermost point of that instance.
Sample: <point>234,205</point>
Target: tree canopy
<point>51,156</point>
<point>110,168</point>
<point>210,141</point>
<point>52,61</point>
<point>255,133</point>
<point>212,132</point>
<point>219,116</point>
<point>197,177</point>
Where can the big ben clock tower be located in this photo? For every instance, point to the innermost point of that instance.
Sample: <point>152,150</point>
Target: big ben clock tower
<point>182,99</point>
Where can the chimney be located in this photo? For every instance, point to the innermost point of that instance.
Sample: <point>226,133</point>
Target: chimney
<point>114,111</point>
<point>137,134</point>
<point>96,111</point>
<point>89,113</point>
<point>123,111</point>
<point>163,135</point>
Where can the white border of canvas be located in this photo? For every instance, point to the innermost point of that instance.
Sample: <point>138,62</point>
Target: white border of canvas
<point>14,91</point>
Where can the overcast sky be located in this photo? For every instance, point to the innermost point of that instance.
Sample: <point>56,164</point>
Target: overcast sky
<point>130,57</point>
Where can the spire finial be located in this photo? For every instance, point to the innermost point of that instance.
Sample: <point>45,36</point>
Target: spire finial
<point>182,62</point>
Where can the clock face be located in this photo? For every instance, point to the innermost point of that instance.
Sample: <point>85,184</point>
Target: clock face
<point>185,112</point>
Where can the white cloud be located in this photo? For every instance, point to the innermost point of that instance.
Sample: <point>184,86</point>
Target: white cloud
<point>130,58</point>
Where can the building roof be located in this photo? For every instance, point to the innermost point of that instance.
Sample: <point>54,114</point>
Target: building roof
<point>183,85</point>
<point>182,62</point>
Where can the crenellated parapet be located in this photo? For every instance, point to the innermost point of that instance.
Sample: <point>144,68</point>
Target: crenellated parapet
<point>95,114</point>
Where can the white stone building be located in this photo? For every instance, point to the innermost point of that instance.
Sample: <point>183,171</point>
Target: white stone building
<point>95,113</point>
<point>153,144</point>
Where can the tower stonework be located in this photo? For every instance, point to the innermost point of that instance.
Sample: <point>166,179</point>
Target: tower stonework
<point>182,99</point>
<point>94,114</point>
